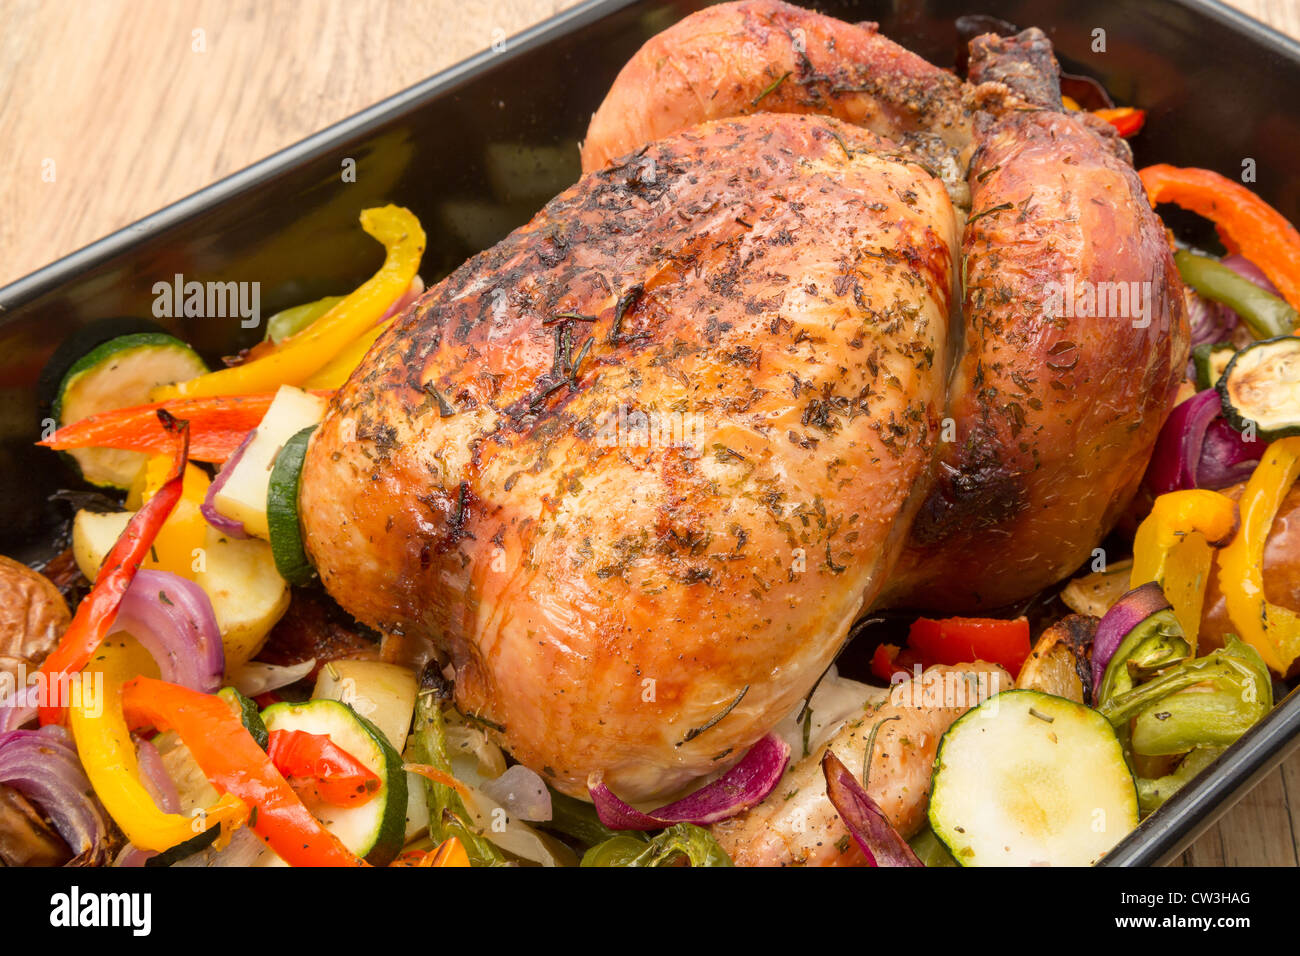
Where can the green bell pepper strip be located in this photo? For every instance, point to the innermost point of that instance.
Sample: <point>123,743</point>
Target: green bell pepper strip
<point>695,844</point>
<point>1206,702</point>
<point>1154,644</point>
<point>1266,315</point>
<point>1152,793</point>
<point>448,816</point>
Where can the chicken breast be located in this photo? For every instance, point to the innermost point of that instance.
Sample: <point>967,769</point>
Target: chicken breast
<point>1074,326</point>
<point>798,826</point>
<point>638,467</point>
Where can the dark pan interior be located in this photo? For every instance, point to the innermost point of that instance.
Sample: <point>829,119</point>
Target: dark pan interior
<point>475,151</point>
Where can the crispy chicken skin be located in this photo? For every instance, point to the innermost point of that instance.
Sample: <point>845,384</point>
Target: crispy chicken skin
<point>734,59</point>
<point>649,456</point>
<point>1076,340</point>
<point>797,825</point>
<point>1055,407</point>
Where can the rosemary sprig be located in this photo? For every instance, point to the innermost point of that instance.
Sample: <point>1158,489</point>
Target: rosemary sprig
<point>712,721</point>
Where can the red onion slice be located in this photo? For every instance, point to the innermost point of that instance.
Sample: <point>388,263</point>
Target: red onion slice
<point>155,777</point>
<point>1178,448</point>
<point>1251,273</point>
<point>209,507</point>
<point>741,787</point>
<point>43,766</point>
<point>172,618</point>
<point>1226,456</point>
<point>1128,612</point>
<point>882,844</point>
<point>1208,322</point>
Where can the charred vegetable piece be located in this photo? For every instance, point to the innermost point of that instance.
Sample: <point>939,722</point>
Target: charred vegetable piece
<point>1260,388</point>
<point>1060,664</point>
<point>33,616</point>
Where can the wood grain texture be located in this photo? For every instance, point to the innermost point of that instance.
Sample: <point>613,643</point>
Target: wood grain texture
<point>110,109</point>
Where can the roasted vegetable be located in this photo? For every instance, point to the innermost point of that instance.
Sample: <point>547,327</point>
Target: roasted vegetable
<point>683,842</point>
<point>1060,664</point>
<point>1258,389</point>
<point>33,616</point>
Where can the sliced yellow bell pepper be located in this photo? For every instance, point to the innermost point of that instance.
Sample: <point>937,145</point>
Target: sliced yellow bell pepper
<point>1272,630</point>
<point>341,367</point>
<point>297,358</point>
<point>1173,547</point>
<point>108,755</point>
<point>185,530</point>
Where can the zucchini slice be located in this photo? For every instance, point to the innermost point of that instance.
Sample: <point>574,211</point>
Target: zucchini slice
<point>282,510</point>
<point>1030,779</point>
<point>1210,360</point>
<point>248,713</point>
<point>117,374</point>
<point>1261,387</point>
<point>376,829</point>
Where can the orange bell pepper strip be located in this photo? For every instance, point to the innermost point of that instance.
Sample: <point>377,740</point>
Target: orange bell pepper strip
<point>1271,629</point>
<point>231,759</point>
<point>297,358</point>
<point>98,610</point>
<point>1127,120</point>
<point>450,852</point>
<point>960,640</point>
<point>217,426</point>
<point>1247,223</point>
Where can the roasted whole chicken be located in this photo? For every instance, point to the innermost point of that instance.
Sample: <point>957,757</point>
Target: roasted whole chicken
<point>794,347</point>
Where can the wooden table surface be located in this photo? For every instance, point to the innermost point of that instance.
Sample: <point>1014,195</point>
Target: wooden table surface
<point>109,109</point>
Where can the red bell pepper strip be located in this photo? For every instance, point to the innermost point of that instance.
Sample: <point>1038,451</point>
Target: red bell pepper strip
<point>1246,223</point>
<point>98,610</point>
<point>217,426</point>
<point>890,659</point>
<point>336,776</point>
<point>1127,120</point>
<point>960,640</point>
<point>231,759</point>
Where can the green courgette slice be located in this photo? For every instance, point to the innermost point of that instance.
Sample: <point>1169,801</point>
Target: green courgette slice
<point>1260,388</point>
